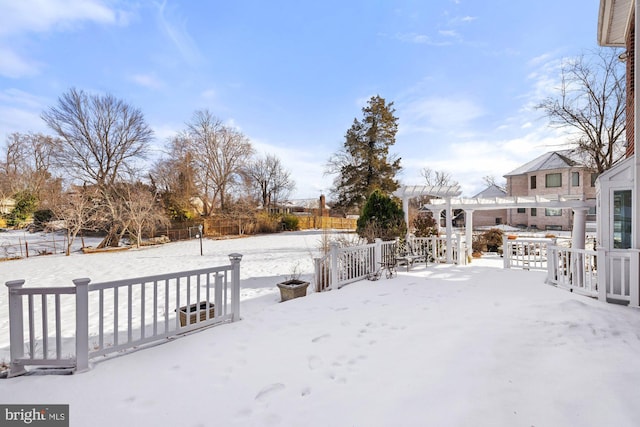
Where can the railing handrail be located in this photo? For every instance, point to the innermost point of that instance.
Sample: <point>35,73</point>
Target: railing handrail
<point>226,295</point>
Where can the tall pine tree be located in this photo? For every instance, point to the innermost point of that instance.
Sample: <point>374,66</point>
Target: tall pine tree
<point>364,163</point>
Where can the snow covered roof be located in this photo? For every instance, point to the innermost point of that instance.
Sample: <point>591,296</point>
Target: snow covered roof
<point>408,191</point>
<point>491,191</point>
<point>551,160</point>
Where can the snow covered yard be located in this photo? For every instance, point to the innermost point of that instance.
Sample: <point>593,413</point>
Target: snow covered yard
<point>443,346</point>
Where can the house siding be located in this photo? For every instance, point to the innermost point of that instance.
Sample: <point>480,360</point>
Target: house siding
<point>630,90</point>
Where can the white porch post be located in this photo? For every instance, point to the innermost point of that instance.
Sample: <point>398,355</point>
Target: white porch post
<point>436,216</point>
<point>468,229</point>
<point>405,208</point>
<point>577,242</point>
<point>449,228</point>
<point>579,227</point>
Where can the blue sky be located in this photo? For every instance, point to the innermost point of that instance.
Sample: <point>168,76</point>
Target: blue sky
<point>292,75</point>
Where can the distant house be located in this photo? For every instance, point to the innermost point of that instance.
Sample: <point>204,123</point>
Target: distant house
<point>484,218</point>
<point>303,207</point>
<point>6,205</point>
<point>554,173</point>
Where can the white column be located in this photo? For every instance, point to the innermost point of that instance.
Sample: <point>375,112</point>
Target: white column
<point>468,228</point>
<point>405,208</point>
<point>577,242</point>
<point>449,228</point>
<point>579,227</point>
<point>436,216</point>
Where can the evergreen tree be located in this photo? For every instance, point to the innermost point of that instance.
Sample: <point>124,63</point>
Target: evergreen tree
<point>382,217</point>
<point>364,163</point>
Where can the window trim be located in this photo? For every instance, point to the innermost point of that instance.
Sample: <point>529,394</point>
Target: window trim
<point>550,175</point>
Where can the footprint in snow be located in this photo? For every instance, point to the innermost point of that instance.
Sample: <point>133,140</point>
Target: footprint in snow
<point>321,337</point>
<point>268,391</point>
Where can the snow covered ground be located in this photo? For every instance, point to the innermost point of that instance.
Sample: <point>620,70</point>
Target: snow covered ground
<point>445,345</point>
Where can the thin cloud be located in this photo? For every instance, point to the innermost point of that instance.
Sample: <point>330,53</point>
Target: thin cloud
<point>179,36</point>
<point>147,80</point>
<point>41,16</point>
<point>417,38</point>
<point>47,15</point>
<point>439,114</point>
<point>15,66</point>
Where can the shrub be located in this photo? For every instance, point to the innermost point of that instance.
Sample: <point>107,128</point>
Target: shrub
<point>290,223</point>
<point>42,217</point>
<point>26,203</point>
<point>266,223</point>
<point>425,225</point>
<point>492,239</point>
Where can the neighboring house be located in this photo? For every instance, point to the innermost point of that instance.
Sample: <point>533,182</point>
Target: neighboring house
<point>554,173</point>
<point>483,218</point>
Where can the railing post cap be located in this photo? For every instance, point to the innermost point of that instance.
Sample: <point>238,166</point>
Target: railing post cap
<point>14,283</point>
<point>81,281</point>
<point>235,257</point>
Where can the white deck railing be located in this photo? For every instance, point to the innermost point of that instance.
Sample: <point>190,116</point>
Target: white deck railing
<point>116,316</point>
<point>618,270</point>
<point>573,269</point>
<point>341,266</point>
<point>525,253</point>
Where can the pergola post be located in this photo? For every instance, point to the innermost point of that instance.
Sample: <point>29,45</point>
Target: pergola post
<point>405,208</point>
<point>577,241</point>
<point>468,229</point>
<point>449,228</point>
<point>437,213</point>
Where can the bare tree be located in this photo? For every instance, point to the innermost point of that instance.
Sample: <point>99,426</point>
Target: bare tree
<point>75,209</point>
<point>220,156</point>
<point>491,180</point>
<point>142,212</point>
<point>27,164</point>
<point>102,136</point>
<point>591,103</point>
<point>173,177</point>
<point>437,178</point>
<point>269,179</point>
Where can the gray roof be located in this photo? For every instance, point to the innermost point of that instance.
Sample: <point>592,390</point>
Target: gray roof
<point>552,160</point>
<point>491,191</point>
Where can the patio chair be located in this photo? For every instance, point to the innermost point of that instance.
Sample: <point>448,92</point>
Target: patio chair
<point>410,255</point>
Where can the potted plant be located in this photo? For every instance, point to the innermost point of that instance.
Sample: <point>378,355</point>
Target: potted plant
<point>293,287</point>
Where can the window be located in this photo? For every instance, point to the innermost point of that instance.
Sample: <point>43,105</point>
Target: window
<point>498,221</point>
<point>553,180</point>
<point>553,212</point>
<point>553,227</point>
<point>575,179</point>
<point>534,211</point>
<point>521,210</point>
<point>622,219</point>
<point>594,176</point>
<point>533,182</point>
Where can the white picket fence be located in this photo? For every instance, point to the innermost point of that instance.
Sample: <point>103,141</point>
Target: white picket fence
<point>116,316</point>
